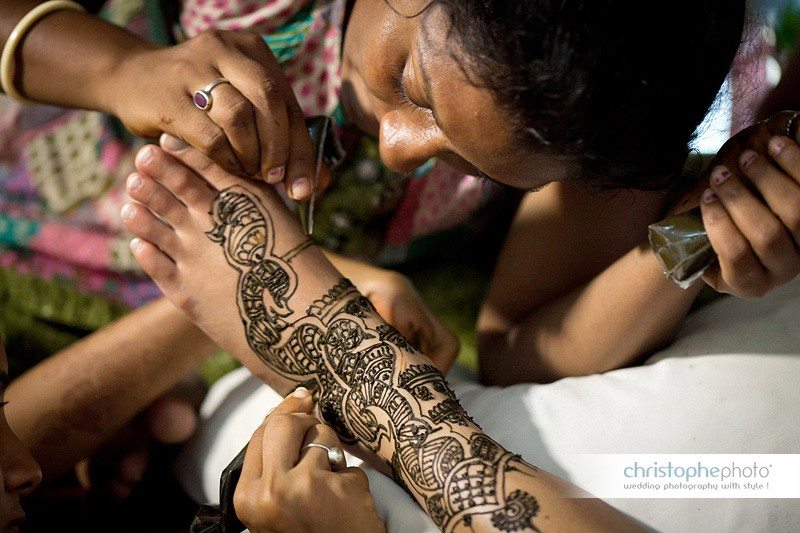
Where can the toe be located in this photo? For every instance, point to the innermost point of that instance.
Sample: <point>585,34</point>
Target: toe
<point>155,264</point>
<point>145,225</point>
<point>157,198</point>
<point>216,176</point>
<point>189,187</point>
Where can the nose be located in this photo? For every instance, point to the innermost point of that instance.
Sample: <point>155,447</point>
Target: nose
<point>21,472</point>
<point>406,144</point>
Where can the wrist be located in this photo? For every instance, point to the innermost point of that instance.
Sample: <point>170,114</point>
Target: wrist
<point>127,71</point>
<point>71,49</point>
<point>8,58</point>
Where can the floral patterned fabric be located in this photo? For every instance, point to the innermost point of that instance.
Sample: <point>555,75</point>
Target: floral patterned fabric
<point>62,178</point>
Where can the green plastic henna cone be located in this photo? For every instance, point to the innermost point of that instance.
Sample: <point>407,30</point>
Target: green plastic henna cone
<point>682,247</point>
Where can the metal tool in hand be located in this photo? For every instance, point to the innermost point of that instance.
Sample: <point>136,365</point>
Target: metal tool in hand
<point>329,153</point>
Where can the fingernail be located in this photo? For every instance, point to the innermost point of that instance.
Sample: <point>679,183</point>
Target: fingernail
<point>145,155</point>
<point>275,175</point>
<point>301,189</point>
<point>719,175</point>
<point>136,244</point>
<point>776,145</point>
<point>709,196</point>
<point>135,182</point>
<point>171,143</point>
<point>747,157</point>
<point>301,392</point>
<point>127,212</point>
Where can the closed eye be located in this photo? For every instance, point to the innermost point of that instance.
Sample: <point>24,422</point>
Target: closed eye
<point>400,91</point>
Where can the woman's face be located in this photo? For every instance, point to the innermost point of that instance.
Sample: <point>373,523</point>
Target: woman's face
<point>401,83</point>
<point>19,472</point>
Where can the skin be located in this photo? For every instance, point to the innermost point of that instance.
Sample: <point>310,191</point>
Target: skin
<point>239,233</point>
<point>255,127</point>
<point>539,326</point>
<point>309,496</point>
<point>398,302</point>
<point>116,368</point>
<point>541,322</point>
<point>420,134</point>
<point>755,239</point>
<point>428,123</point>
<point>19,472</point>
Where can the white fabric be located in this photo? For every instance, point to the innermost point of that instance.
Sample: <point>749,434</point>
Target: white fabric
<point>729,384</point>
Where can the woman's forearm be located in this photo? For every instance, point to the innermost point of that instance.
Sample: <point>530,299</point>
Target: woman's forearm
<point>626,311</point>
<point>69,58</point>
<point>65,407</point>
<point>575,289</point>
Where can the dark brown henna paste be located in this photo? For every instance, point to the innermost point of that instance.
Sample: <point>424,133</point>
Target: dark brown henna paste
<point>340,344</point>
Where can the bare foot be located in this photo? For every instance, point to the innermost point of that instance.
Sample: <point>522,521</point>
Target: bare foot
<point>231,254</point>
<point>225,251</point>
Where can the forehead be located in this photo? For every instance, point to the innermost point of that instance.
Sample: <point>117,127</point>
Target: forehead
<point>477,126</point>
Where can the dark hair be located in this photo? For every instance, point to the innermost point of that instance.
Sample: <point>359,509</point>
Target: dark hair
<point>616,86</point>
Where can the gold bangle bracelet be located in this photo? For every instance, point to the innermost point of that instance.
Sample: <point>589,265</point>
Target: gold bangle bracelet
<point>7,60</point>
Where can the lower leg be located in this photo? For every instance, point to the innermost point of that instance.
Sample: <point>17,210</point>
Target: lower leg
<point>231,254</point>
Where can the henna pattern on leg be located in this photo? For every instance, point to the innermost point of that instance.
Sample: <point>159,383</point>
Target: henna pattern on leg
<point>364,387</point>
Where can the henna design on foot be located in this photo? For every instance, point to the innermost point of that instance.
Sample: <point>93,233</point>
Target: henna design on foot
<point>365,386</point>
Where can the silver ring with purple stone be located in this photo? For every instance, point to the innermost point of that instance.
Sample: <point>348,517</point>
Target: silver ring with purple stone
<point>203,98</point>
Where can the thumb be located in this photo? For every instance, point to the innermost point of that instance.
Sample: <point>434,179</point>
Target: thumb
<point>298,401</point>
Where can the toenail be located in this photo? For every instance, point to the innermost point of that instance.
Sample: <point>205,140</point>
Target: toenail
<point>719,175</point>
<point>127,212</point>
<point>709,196</point>
<point>301,188</point>
<point>135,182</point>
<point>136,244</point>
<point>776,145</point>
<point>747,157</point>
<point>275,175</point>
<point>145,155</point>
